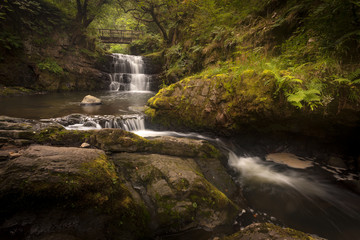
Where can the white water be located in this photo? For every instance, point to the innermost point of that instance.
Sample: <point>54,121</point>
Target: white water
<point>310,197</point>
<point>133,122</point>
<point>254,170</point>
<point>128,74</point>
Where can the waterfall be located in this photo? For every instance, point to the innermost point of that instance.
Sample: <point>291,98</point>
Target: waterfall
<point>128,73</point>
<point>133,122</point>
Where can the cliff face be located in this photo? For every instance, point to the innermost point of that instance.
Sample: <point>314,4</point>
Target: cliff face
<point>38,52</point>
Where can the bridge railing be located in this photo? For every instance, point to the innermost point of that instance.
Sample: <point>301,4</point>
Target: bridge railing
<point>121,35</point>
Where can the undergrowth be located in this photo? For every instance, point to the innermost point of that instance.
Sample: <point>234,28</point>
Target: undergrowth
<point>311,63</point>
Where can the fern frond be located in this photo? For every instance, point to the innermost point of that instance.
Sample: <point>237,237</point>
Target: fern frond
<point>342,81</point>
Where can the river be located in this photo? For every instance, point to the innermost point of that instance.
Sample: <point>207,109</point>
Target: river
<point>307,199</point>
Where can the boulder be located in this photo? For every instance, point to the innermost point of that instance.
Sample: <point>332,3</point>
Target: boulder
<point>64,191</point>
<point>337,162</point>
<point>260,231</point>
<point>176,193</point>
<point>249,102</point>
<point>289,159</point>
<point>49,190</point>
<point>90,100</point>
<point>46,171</point>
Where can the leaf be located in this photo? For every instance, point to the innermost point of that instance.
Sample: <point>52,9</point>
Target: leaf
<point>296,80</point>
<point>357,81</point>
<point>297,104</point>
<point>312,95</point>
<point>296,97</point>
<point>342,80</point>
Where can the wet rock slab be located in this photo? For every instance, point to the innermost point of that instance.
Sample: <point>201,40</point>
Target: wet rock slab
<point>289,159</point>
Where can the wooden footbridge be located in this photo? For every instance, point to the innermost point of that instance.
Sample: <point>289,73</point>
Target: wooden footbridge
<point>118,36</point>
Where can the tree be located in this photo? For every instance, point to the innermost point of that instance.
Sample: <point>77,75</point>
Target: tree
<point>83,12</point>
<point>165,14</point>
<point>87,11</point>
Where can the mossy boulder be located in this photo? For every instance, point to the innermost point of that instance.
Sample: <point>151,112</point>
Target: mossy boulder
<point>250,101</point>
<point>121,180</point>
<point>217,103</point>
<point>54,172</point>
<point>74,183</point>
<point>260,231</point>
<point>175,191</point>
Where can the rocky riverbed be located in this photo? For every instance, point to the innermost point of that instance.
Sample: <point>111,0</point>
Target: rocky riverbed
<point>117,186</point>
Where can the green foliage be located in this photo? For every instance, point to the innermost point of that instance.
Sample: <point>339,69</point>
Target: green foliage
<point>50,65</point>
<point>10,41</point>
<point>89,53</point>
<point>311,97</point>
<point>119,48</point>
<point>148,43</point>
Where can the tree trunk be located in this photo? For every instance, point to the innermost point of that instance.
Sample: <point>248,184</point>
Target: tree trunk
<point>161,28</point>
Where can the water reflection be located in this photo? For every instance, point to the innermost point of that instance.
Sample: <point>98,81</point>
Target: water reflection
<point>61,104</point>
<point>91,109</point>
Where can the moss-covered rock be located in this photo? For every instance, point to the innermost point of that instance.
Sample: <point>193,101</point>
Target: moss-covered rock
<point>74,181</point>
<point>234,102</point>
<point>260,231</point>
<point>213,103</point>
<point>176,192</point>
<point>180,183</point>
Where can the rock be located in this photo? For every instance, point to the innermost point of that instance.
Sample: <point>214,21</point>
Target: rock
<point>289,159</point>
<point>85,145</point>
<point>90,124</point>
<point>68,192</point>
<point>90,100</point>
<point>4,155</point>
<point>175,191</point>
<point>44,169</point>
<point>184,147</point>
<point>14,155</point>
<point>260,231</point>
<point>337,162</point>
<point>234,104</point>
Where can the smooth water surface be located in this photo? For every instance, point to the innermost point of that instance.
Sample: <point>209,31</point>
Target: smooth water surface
<point>61,104</point>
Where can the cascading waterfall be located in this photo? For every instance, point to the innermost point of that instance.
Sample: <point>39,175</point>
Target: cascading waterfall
<point>128,73</point>
<point>133,122</point>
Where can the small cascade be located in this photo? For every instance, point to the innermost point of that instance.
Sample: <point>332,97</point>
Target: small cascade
<point>133,122</point>
<point>128,73</point>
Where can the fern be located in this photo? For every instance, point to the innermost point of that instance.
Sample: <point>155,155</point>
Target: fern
<point>357,81</point>
<point>310,97</point>
<point>342,81</point>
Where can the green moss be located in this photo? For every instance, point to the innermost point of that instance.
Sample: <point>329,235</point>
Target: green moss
<point>269,229</point>
<point>182,185</point>
<point>57,135</point>
<point>50,65</point>
<point>150,112</point>
<point>13,91</point>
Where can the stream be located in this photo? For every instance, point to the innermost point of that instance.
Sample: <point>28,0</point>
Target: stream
<point>308,200</point>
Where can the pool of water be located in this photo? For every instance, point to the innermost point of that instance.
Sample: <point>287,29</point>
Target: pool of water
<point>61,104</point>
